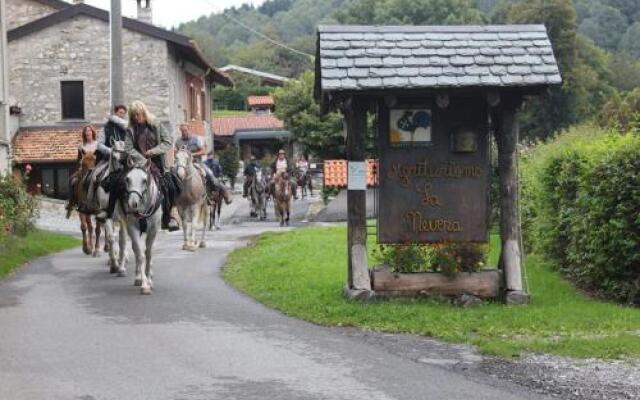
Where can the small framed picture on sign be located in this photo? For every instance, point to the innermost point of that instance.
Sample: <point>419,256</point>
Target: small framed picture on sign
<point>410,126</point>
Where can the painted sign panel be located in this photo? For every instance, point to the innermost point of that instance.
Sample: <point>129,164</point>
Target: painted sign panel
<point>357,175</point>
<point>436,192</point>
<point>410,126</point>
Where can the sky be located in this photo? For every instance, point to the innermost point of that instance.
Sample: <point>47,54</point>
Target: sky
<point>169,13</point>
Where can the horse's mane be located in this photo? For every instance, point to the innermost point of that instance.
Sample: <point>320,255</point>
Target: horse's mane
<point>88,160</point>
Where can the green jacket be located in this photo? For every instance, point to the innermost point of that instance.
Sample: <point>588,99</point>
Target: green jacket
<point>164,145</point>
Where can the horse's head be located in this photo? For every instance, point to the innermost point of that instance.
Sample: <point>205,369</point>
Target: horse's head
<point>118,154</point>
<point>259,180</point>
<point>88,160</point>
<point>137,183</point>
<point>184,161</point>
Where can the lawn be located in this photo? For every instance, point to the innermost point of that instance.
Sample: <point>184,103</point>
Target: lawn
<point>18,250</point>
<point>303,272</point>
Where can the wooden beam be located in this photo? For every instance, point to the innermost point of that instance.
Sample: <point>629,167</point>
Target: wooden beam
<point>355,113</point>
<point>511,253</point>
<point>483,284</point>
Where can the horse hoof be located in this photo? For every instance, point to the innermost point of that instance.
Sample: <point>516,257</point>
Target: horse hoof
<point>185,247</point>
<point>202,244</point>
<point>107,248</point>
<point>86,251</point>
<point>122,272</point>
<point>137,282</point>
<point>191,248</point>
<point>96,254</point>
<point>145,290</point>
<point>113,270</point>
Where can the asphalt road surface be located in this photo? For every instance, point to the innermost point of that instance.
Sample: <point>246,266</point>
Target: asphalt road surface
<point>70,330</point>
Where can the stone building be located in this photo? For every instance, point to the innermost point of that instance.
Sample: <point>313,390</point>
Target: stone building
<point>59,74</point>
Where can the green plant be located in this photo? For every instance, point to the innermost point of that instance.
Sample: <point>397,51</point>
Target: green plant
<point>328,192</point>
<point>582,196</point>
<point>447,258</point>
<point>18,209</point>
<point>230,162</point>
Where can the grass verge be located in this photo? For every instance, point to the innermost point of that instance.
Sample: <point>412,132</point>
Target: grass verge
<point>302,274</point>
<point>18,250</point>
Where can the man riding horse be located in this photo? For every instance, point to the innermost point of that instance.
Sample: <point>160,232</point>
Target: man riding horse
<point>148,140</point>
<point>194,145</point>
<point>281,168</point>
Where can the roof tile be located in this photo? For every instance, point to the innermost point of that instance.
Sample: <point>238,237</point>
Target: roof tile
<point>228,126</point>
<point>52,145</point>
<point>356,57</point>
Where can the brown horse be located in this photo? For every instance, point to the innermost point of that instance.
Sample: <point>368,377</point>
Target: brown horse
<point>304,183</point>
<point>215,198</point>
<point>80,199</point>
<point>282,193</point>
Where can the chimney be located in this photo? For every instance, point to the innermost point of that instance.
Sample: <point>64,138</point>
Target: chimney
<point>144,11</point>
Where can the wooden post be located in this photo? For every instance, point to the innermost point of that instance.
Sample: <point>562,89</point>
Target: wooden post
<point>511,253</point>
<point>355,113</point>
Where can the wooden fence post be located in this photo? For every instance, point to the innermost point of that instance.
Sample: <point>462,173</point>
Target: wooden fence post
<point>355,113</point>
<point>511,253</point>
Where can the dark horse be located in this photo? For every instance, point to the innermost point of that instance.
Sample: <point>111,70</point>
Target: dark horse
<point>215,198</point>
<point>304,183</point>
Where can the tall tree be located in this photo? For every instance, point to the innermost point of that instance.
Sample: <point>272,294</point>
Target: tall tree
<point>319,134</point>
<point>412,12</point>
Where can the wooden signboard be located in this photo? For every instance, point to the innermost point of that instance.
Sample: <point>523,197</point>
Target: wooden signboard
<point>434,172</point>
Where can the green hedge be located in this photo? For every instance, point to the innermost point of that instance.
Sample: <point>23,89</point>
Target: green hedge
<point>581,209</point>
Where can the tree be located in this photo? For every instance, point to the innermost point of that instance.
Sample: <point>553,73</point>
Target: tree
<point>320,134</point>
<point>230,162</point>
<point>605,26</point>
<point>630,43</point>
<point>625,72</point>
<point>411,12</point>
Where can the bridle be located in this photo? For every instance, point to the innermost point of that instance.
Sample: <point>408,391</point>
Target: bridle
<point>152,207</point>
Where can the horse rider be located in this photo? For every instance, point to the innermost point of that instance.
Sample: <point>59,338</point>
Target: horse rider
<point>302,165</point>
<point>249,173</point>
<point>147,139</point>
<point>214,165</point>
<point>115,129</point>
<point>281,166</point>
<point>88,145</point>
<point>195,146</point>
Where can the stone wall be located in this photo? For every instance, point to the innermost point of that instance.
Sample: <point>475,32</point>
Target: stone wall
<point>20,12</point>
<point>78,49</point>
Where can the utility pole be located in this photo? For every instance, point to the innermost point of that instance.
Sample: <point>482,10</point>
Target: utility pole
<point>117,76</point>
<point>5,140</point>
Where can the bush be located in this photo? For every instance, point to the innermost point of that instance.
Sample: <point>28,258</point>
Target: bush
<point>230,162</point>
<point>447,258</point>
<point>581,196</point>
<point>18,209</point>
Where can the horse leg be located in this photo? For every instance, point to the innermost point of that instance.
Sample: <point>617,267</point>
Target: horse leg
<point>83,227</point>
<point>205,210</point>
<point>96,247</point>
<point>216,214</point>
<point>134,232</point>
<point>90,234</point>
<point>185,227</point>
<point>122,246</point>
<point>147,282</point>
<point>108,242</point>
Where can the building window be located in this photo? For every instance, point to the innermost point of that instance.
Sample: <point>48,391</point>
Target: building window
<point>72,96</point>
<point>193,107</point>
<point>203,105</point>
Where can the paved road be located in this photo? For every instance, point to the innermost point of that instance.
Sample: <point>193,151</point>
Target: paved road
<point>69,330</point>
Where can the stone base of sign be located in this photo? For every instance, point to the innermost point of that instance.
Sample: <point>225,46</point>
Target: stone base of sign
<point>355,294</point>
<point>484,284</point>
<point>517,298</point>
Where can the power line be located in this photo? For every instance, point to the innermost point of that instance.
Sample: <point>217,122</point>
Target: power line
<point>262,35</point>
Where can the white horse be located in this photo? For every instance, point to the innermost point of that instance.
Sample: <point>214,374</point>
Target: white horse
<point>117,257</point>
<point>192,201</point>
<point>142,207</point>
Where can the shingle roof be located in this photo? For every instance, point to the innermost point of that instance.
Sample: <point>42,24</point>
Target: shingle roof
<point>255,101</point>
<point>410,57</point>
<point>228,126</point>
<point>46,145</point>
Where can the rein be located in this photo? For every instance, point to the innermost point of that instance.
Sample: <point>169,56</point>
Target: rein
<point>152,207</point>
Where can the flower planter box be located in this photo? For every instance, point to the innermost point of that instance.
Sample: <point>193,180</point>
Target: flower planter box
<point>484,284</point>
